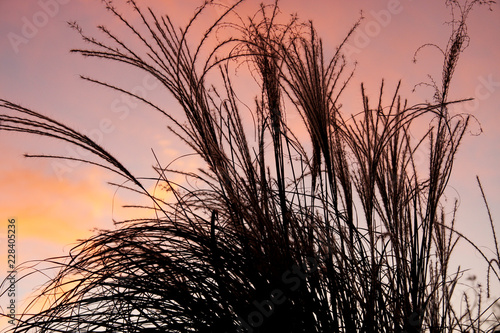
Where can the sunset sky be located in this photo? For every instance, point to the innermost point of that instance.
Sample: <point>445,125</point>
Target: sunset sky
<point>55,203</point>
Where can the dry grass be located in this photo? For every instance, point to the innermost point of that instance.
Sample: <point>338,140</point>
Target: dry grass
<point>344,237</point>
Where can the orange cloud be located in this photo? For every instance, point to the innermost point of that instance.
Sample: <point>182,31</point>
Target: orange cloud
<point>58,211</point>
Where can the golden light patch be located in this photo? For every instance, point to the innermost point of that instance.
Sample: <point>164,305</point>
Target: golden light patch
<point>53,210</point>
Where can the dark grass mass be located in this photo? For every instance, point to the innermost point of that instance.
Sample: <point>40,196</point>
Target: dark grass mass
<point>341,232</point>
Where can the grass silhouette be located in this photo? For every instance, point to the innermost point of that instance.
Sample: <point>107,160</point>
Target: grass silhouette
<point>343,236</point>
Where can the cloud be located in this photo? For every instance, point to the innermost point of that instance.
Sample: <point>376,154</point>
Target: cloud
<point>53,210</point>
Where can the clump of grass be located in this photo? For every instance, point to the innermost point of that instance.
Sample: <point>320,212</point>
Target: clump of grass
<point>342,236</point>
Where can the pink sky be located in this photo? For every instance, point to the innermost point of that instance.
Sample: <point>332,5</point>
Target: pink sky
<point>54,210</point>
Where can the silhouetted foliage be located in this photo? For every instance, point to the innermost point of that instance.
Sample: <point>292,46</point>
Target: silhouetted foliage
<point>344,235</point>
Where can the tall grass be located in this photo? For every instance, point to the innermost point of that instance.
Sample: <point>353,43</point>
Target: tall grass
<point>341,233</point>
